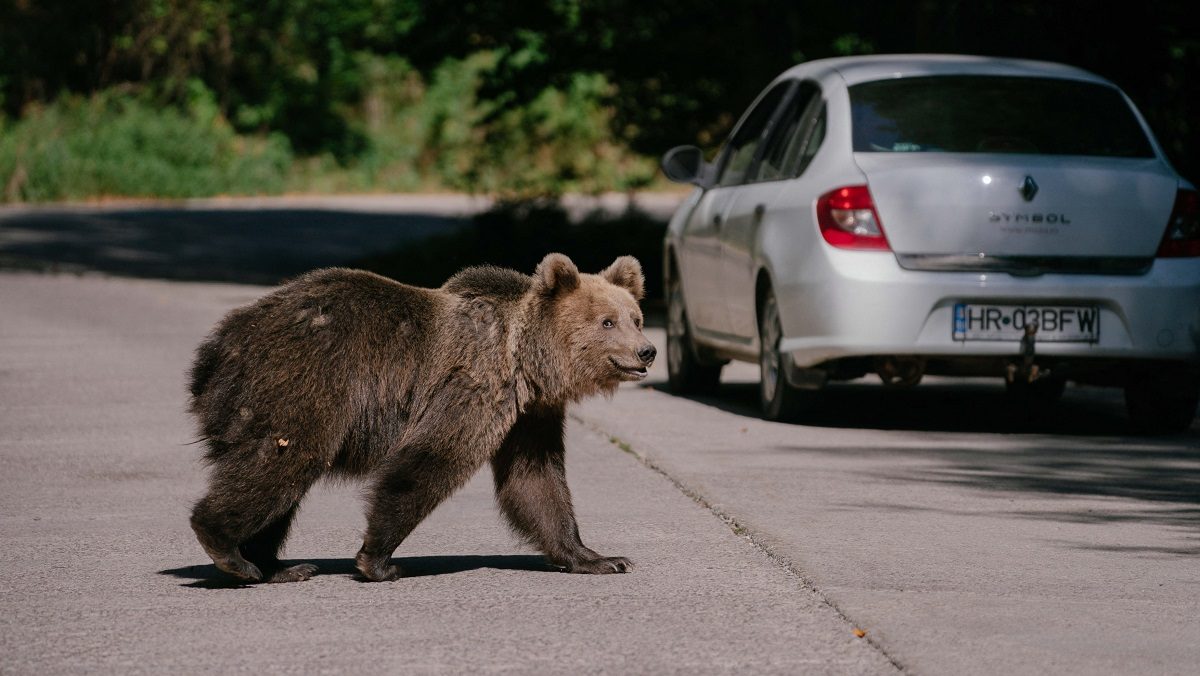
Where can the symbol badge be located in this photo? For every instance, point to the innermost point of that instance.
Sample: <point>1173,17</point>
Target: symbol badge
<point>1029,188</point>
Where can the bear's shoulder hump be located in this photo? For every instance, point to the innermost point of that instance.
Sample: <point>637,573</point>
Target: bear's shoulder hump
<point>490,281</point>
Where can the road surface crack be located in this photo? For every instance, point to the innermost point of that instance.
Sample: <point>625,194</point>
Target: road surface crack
<point>741,530</point>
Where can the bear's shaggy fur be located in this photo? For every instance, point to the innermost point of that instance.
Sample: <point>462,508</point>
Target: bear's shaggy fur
<point>347,373</point>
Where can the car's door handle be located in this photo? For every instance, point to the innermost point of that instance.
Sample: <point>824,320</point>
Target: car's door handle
<point>717,220</point>
<point>759,210</point>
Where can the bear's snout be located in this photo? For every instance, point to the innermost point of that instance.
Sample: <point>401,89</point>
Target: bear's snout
<point>647,353</point>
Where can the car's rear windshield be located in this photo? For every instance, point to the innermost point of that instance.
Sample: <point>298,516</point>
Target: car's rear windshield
<point>994,114</point>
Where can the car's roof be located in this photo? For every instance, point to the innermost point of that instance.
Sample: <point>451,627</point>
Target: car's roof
<point>856,69</point>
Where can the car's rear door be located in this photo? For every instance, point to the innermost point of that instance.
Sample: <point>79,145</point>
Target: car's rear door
<point>702,271</point>
<point>782,158</point>
<point>699,261</point>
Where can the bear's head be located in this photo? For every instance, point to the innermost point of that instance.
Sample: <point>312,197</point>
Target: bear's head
<point>594,323</point>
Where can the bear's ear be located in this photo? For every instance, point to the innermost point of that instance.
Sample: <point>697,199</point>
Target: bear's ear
<point>626,272</point>
<point>556,273</point>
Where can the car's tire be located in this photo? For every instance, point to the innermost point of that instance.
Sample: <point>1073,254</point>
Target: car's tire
<point>686,374</point>
<point>779,400</point>
<point>1162,404</point>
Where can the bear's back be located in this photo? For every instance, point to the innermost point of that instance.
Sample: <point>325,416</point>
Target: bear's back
<point>489,281</point>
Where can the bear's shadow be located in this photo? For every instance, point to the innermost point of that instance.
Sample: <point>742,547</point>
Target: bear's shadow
<point>208,577</point>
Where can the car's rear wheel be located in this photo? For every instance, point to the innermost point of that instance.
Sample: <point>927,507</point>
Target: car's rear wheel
<point>779,400</point>
<point>1162,404</point>
<point>686,374</point>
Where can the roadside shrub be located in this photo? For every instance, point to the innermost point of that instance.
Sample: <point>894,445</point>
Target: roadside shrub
<point>440,134</point>
<point>417,135</point>
<point>118,142</point>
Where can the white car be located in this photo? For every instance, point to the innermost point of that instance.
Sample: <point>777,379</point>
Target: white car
<point>948,215</point>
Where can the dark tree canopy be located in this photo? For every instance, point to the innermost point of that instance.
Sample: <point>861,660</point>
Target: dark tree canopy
<point>679,72</point>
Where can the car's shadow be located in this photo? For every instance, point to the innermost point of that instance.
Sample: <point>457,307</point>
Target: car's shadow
<point>1081,447</point>
<point>944,406</point>
<point>207,576</point>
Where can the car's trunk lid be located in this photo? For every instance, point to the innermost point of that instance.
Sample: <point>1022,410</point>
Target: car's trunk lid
<point>989,211</point>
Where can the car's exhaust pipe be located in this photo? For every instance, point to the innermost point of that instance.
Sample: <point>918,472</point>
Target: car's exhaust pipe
<point>900,371</point>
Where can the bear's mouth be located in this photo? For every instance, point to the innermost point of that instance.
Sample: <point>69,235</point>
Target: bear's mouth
<point>631,372</point>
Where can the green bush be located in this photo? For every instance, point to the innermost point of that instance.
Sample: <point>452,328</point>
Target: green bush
<point>441,134</point>
<point>118,142</point>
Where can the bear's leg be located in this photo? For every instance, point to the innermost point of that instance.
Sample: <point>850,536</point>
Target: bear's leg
<point>249,504</point>
<point>262,549</point>
<point>531,489</point>
<point>405,494</point>
<point>218,529</point>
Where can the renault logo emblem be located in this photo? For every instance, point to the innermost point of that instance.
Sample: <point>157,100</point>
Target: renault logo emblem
<point>1029,188</point>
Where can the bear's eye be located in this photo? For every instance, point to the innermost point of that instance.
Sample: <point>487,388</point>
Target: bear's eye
<point>608,323</point>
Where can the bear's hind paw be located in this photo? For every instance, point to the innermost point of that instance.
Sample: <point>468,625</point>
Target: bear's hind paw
<point>602,565</point>
<point>239,568</point>
<point>377,570</point>
<point>296,573</point>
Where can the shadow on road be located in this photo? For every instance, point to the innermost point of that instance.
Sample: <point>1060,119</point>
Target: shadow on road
<point>1082,447</point>
<point>208,577</point>
<point>268,245</point>
<point>948,406</point>
<point>253,246</point>
<point>1144,482</point>
<point>1121,467</point>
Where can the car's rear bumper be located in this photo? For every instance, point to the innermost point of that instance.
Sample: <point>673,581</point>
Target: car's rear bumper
<point>864,303</point>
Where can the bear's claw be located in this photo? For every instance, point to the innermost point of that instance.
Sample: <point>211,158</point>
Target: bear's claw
<point>241,569</point>
<point>297,573</point>
<point>602,565</point>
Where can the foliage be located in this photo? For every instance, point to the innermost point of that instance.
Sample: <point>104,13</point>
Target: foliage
<point>539,96</point>
<point>423,136</point>
<point>682,72</point>
<point>442,134</point>
<point>559,140</point>
<point>116,143</point>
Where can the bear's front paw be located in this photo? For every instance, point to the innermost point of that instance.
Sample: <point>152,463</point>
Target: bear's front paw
<point>602,565</point>
<point>377,570</point>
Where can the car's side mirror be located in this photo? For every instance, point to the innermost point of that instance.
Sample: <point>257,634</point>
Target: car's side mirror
<point>685,164</point>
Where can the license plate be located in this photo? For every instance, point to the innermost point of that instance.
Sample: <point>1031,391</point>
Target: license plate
<point>1056,323</point>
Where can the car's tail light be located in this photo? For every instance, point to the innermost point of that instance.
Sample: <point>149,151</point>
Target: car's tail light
<point>848,219</point>
<point>1183,230</point>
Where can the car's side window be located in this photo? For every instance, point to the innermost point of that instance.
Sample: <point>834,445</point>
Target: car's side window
<point>796,165</point>
<point>743,146</point>
<point>788,138</point>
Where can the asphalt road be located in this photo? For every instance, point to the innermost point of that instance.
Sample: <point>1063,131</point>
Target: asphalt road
<point>961,537</point>
<point>99,571</point>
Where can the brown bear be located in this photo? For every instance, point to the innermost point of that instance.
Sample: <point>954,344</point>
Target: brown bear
<point>350,374</point>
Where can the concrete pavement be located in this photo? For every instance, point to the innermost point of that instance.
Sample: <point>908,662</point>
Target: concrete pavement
<point>99,571</point>
<point>965,539</point>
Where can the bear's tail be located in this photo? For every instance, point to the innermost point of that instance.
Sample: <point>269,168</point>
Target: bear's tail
<point>208,358</point>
